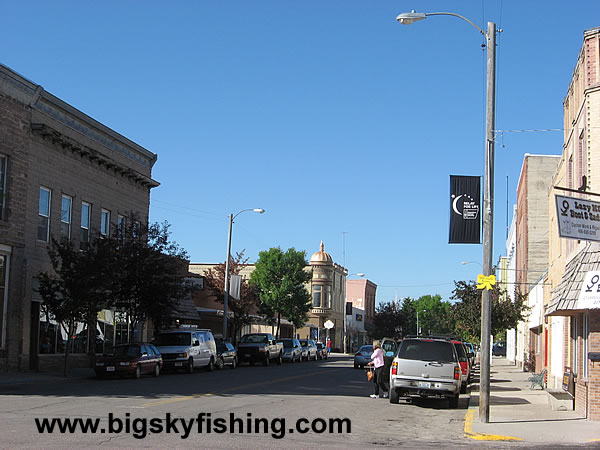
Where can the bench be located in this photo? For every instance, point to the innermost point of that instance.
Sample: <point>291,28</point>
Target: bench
<point>538,379</point>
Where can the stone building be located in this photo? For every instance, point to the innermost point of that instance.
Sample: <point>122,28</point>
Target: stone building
<point>62,174</point>
<point>328,293</point>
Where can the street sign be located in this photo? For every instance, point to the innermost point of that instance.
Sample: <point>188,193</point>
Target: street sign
<point>329,324</point>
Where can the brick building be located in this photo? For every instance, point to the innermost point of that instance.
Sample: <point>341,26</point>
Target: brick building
<point>62,174</point>
<point>572,316</point>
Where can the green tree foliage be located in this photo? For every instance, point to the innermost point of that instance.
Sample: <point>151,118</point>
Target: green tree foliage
<point>138,270</point>
<point>281,282</point>
<point>389,321</point>
<point>506,313</point>
<point>151,273</point>
<point>78,287</point>
<point>241,309</point>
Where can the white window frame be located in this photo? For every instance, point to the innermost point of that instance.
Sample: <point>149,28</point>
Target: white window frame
<point>66,221</point>
<point>45,216</point>
<point>105,223</point>
<point>584,338</point>
<point>84,243</point>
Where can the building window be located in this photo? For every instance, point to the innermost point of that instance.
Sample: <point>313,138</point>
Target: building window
<point>137,226</point>
<point>84,238</point>
<point>3,299</point>
<point>65,216</point>
<point>326,297</point>
<point>105,223</point>
<point>3,167</point>
<point>44,215</point>
<point>317,296</point>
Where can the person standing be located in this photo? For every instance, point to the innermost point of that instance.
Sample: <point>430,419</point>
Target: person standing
<point>378,362</point>
<point>328,345</point>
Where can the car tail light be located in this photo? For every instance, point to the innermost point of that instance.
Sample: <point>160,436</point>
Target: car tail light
<point>457,372</point>
<point>463,366</point>
<point>359,354</point>
<point>395,368</point>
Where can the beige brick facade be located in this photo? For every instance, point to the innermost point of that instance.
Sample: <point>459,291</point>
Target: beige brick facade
<point>46,142</point>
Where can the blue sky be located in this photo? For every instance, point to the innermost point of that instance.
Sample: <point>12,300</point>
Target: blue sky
<point>341,123</point>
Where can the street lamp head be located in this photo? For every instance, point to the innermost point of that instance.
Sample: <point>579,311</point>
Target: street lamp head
<point>410,17</point>
<point>259,210</point>
<point>359,274</point>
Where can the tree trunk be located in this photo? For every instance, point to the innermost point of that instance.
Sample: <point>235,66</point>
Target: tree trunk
<point>66,362</point>
<point>278,323</point>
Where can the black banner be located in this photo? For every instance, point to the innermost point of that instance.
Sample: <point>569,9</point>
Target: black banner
<point>465,217</point>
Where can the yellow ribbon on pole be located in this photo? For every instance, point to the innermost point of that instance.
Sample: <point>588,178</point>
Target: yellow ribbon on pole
<point>484,282</point>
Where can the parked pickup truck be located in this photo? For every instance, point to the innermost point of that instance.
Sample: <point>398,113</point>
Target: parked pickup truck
<point>259,347</point>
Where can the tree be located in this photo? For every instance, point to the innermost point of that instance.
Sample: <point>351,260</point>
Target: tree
<point>389,321</point>
<point>151,275</point>
<point>506,312</point>
<point>77,288</point>
<point>281,282</point>
<point>247,304</point>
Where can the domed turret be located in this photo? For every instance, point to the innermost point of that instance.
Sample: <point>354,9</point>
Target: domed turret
<point>321,257</point>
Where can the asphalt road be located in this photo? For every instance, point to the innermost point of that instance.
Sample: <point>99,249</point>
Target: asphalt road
<point>309,404</point>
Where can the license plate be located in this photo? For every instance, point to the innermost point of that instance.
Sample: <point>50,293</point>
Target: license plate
<point>110,369</point>
<point>425,385</point>
<point>178,364</point>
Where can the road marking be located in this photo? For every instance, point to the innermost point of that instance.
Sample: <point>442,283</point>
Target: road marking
<point>235,388</point>
<point>482,436</point>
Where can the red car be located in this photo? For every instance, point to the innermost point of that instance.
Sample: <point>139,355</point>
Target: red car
<point>465,366</point>
<point>130,360</point>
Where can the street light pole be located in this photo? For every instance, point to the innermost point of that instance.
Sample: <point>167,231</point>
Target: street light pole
<point>226,294</point>
<point>488,199</point>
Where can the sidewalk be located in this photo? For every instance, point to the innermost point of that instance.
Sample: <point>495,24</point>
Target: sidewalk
<point>518,413</point>
<point>8,379</point>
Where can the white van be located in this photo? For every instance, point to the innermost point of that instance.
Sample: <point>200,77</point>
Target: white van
<point>187,348</point>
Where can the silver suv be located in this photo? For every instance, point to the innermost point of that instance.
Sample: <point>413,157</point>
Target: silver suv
<point>426,367</point>
<point>187,348</point>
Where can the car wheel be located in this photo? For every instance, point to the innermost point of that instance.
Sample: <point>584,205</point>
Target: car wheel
<point>156,370</point>
<point>280,360</point>
<point>211,365</point>
<point>463,388</point>
<point>138,372</point>
<point>234,363</point>
<point>394,396</point>
<point>453,402</point>
<point>190,366</point>
<point>267,361</point>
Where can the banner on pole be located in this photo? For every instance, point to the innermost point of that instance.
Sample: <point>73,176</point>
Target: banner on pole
<point>465,219</point>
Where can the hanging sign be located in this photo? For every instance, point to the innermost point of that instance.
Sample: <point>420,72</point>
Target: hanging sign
<point>578,218</point>
<point>484,282</point>
<point>329,324</point>
<point>589,296</point>
<point>465,219</point>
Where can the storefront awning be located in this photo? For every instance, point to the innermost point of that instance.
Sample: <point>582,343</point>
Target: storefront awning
<point>569,297</point>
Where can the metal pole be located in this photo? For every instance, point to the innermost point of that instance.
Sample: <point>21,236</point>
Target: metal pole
<point>417,323</point>
<point>226,296</point>
<point>488,225</point>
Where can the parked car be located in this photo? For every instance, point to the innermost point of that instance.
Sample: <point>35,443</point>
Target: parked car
<point>226,355</point>
<point>187,348</point>
<point>260,347</point>
<point>363,356</point>
<point>465,365</point>
<point>292,350</point>
<point>470,353</point>
<point>311,348</point>
<point>426,367</point>
<point>389,346</point>
<point>499,349</point>
<point>130,360</point>
<point>322,352</point>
